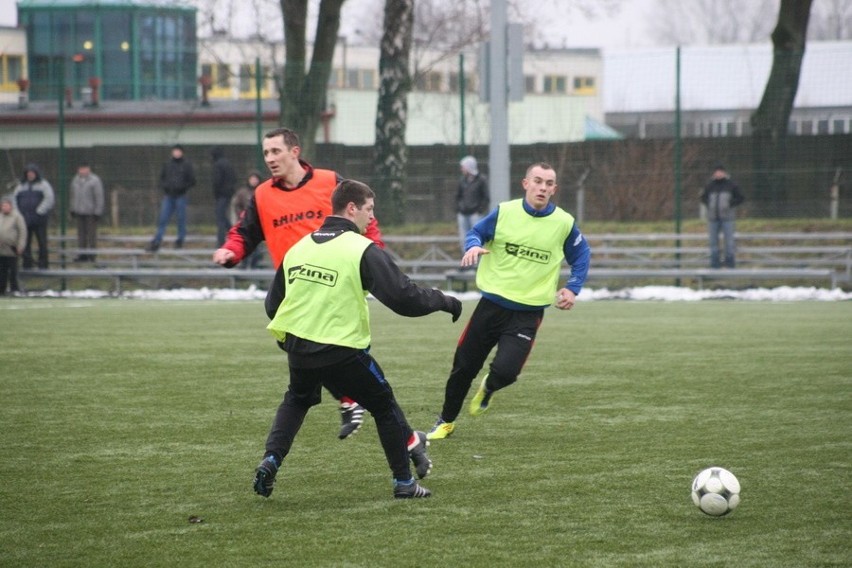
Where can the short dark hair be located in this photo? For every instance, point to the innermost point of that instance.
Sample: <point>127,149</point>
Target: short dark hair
<point>350,191</point>
<point>542,165</point>
<point>291,139</point>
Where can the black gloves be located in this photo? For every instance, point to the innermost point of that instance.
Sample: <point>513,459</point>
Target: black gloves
<point>454,307</point>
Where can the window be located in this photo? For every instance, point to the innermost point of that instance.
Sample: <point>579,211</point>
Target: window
<point>335,78</point>
<point>14,65</point>
<point>116,56</point>
<point>222,77</point>
<point>793,127</point>
<point>837,126</point>
<point>822,127</point>
<point>529,83</point>
<point>554,84</point>
<point>453,82</point>
<point>353,79</point>
<point>584,86</point>
<point>430,81</point>
<point>246,78</point>
<point>368,79</point>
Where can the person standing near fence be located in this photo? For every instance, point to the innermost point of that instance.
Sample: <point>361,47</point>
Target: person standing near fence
<point>292,203</point>
<point>87,206</point>
<point>721,196</point>
<point>13,239</point>
<point>224,185</point>
<point>177,177</point>
<point>34,199</point>
<point>239,204</point>
<point>472,197</point>
<point>519,248</point>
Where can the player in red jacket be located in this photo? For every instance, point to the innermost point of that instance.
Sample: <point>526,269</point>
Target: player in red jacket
<point>284,208</point>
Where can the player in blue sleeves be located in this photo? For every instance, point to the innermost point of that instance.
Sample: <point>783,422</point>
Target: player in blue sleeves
<point>519,248</point>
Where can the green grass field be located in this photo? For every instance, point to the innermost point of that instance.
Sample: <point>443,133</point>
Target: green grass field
<point>120,419</point>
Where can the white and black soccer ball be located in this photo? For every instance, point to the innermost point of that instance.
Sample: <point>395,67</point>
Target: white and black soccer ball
<point>716,491</point>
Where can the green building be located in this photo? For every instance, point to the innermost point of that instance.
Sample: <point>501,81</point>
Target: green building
<point>126,49</point>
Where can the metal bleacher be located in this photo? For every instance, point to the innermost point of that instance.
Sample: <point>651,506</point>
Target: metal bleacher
<point>647,258</point>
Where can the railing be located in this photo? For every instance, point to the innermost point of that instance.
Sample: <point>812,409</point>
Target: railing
<point>807,258</point>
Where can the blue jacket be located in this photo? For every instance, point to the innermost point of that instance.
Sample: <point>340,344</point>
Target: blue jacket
<point>576,249</point>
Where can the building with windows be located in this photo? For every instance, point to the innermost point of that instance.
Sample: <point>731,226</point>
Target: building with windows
<point>13,62</point>
<point>122,49</point>
<point>562,100</point>
<point>720,87</point>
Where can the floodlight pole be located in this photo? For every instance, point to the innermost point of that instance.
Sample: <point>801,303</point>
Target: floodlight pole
<point>60,177</point>
<point>498,150</point>
<point>258,114</point>
<point>678,160</point>
<point>462,87</point>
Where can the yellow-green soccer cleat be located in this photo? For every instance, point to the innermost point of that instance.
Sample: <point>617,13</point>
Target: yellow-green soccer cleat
<point>441,430</point>
<point>480,401</point>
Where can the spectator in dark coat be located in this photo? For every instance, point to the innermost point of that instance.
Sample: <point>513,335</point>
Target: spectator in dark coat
<point>34,199</point>
<point>721,196</point>
<point>472,198</point>
<point>176,179</point>
<point>224,185</point>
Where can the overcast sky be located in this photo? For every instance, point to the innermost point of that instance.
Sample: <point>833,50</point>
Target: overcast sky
<point>627,29</point>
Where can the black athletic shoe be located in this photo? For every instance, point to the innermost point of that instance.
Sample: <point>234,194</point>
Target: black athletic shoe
<point>351,418</point>
<point>264,476</point>
<point>419,457</point>
<point>409,490</point>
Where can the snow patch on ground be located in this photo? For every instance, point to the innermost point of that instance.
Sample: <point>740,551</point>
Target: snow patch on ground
<point>644,293</point>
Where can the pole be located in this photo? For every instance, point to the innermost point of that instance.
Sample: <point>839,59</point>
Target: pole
<point>258,83</point>
<point>462,86</point>
<point>498,151</point>
<point>678,160</point>
<point>60,178</point>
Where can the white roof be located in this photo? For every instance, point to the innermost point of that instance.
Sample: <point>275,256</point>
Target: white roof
<point>721,77</point>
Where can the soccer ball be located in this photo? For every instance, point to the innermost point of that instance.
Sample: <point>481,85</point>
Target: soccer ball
<point>716,491</point>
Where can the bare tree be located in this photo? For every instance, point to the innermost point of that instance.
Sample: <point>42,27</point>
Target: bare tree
<point>831,20</point>
<point>391,152</point>
<point>303,88</point>
<point>769,122</point>
<point>443,28</point>
<point>675,22</point>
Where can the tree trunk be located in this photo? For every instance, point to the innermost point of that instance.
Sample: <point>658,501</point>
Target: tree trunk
<point>303,89</point>
<point>770,120</point>
<point>391,152</point>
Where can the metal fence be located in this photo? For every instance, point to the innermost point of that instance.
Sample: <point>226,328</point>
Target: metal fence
<point>622,180</point>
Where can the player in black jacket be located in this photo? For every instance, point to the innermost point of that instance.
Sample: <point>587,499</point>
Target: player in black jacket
<point>344,365</point>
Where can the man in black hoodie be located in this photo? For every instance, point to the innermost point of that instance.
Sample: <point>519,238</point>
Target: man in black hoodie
<point>721,196</point>
<point>34,199</point>
<point>176,178</point>
<point>224,186</point>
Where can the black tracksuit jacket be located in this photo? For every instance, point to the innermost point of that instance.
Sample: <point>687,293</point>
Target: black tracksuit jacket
<point>379,275</point>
